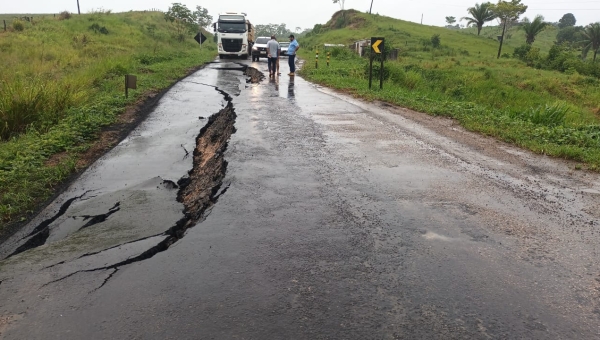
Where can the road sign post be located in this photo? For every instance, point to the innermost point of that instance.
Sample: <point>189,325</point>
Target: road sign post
<point>200,38</point>
<point>130,83</point>
<point>377,48</point>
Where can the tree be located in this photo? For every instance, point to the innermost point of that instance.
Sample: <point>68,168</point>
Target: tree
<point>569,34</point>
<point>203,19</point>
<point>567,20</point>
<point>340,2</point>
<point>279,30</point>
<point>591,39</point>
<point>450,20</point>
<point>507,12</point>
<point>533,28</point>
<point>480,14</point>
<point>182,19</point>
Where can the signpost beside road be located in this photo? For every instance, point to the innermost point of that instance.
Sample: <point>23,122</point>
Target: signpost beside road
<point>377,48</point>
<point>130,83</point>
<point>200,38</point>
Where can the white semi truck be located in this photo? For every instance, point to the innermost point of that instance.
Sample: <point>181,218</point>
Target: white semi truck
<point>235,35</point>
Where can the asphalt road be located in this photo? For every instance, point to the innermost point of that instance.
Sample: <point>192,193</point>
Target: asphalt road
<point>323,217</point>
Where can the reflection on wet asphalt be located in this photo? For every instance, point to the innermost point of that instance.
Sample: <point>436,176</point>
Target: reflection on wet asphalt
<point>324,217</point>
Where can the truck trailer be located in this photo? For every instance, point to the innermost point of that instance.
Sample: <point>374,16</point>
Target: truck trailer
<point>235,35</point>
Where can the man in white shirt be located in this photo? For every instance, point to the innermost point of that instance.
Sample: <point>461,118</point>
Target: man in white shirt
<point>273,51</point>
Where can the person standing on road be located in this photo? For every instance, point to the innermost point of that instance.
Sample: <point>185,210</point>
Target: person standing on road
<point>279,57</point>
<point>294,46</point>
<point>273,50</point>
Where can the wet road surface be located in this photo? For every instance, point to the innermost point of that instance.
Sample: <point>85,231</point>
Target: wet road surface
<point>317,216</point>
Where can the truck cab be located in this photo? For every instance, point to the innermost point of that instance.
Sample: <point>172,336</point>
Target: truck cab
<point>234,34</point>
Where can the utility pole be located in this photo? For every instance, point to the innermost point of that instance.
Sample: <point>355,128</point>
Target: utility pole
<point>78,10</point>
<point>370,9</point>
<point>421,18</point>
<point>502,39</point>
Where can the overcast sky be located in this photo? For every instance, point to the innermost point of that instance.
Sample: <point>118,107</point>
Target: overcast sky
<point>307,13</point>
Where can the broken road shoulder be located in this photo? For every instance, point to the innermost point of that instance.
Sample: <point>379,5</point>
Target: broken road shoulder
<point>198,191</point>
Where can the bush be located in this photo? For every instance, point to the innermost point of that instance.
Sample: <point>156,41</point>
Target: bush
<point>521,51</point>
<point>436,41</point>
<point>377,71</point>
<point>18,25</point>
<point>548,115</point>
<point>342,53</point>
<point>64,15</point>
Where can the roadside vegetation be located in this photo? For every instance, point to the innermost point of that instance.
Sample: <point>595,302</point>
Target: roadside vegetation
<point>62,81</point>
<point>547,101</point>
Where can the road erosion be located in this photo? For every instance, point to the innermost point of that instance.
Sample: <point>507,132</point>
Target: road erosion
<point>255,208</point>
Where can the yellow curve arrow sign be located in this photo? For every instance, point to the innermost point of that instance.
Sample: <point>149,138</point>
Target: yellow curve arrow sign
<point>376,46</point>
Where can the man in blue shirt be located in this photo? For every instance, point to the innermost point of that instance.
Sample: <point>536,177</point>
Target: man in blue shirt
<point>294,46</point>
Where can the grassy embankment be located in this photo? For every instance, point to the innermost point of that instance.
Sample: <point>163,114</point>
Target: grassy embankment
<point>61,82</point>
<point>545,111</point>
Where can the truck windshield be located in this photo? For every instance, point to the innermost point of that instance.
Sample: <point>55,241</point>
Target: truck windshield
<point>232,27</point>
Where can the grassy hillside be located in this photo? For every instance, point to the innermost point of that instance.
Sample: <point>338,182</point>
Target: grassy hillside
<point>516,36</point>
<point>546,111</point>
<point>409,36</point>
<point>61,81</point>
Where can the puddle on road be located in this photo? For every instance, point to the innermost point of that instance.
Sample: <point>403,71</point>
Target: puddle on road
<point>430,235</point>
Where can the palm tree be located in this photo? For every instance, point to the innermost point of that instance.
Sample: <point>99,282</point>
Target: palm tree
<point>591,41</point>
<point>533,28</point>
<point>480,14</point>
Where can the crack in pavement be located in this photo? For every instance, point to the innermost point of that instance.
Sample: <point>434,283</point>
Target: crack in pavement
<point>39,234</point>
<point>93,220</point>
<point>110,248</point>
<point>199,191</point>
<point>106,280</point>
<point>97,219</point>
<point>187,153</point>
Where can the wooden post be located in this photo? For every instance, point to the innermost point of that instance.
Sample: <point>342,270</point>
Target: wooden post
<point>371,70</point>
<point>381,72</point>
<point>4,25</point>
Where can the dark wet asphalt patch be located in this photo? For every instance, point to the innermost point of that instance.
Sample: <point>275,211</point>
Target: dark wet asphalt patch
<point>198,191</point>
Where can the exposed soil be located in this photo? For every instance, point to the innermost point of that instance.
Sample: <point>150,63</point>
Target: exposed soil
<point>199,190</point>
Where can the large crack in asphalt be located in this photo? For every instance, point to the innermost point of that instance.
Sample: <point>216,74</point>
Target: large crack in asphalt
<point>97,219</point>
<point>39,234</point>
<point>199,190</point>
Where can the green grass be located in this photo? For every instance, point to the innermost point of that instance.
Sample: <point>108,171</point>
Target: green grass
<point>545,111</point>
<point>516,36</point>
<point>61,82</point>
